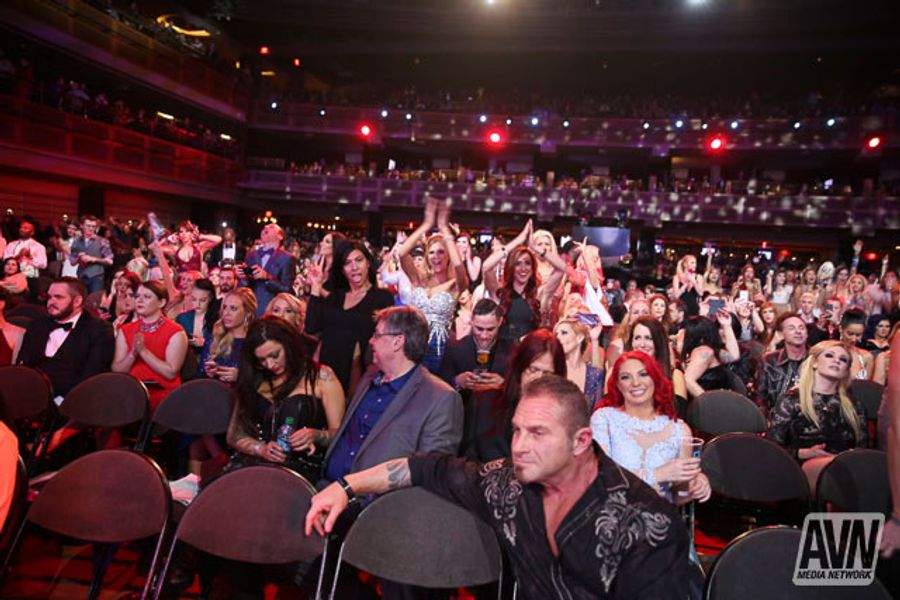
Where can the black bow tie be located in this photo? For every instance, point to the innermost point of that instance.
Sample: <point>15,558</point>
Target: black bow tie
<point>267,252</point>
<point>64,326</point>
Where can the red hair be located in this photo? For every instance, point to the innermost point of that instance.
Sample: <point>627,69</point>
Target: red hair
<point>663,394</point>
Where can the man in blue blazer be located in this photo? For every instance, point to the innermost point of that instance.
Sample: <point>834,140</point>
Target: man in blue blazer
<point>270,270</point>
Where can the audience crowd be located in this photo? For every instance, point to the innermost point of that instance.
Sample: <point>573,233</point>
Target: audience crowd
<point>437,344</point>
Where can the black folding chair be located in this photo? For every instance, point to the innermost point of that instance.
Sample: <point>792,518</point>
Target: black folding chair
<point>855,481</point>
<point>723,411</point>
<point>869,394</point>
<point>414,537</point>
<point>254,514</point>
<point>109,400</point>
<point>26,394</point>
<point>760,564</point>
<point>107,497</point>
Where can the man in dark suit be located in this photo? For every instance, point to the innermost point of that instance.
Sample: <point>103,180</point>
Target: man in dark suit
<point>229,250</point>
<point>398,408</point>
<point>270,270</point>
<point>70,344</point>
<point>478,361</point>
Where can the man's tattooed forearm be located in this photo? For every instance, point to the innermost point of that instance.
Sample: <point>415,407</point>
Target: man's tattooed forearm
<point>398,474</point>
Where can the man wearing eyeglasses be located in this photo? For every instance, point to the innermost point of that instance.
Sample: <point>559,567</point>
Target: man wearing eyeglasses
<point>398,408</point>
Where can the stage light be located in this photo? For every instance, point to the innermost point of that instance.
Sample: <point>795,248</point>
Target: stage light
<point>679,124</point>
<point>871,256</point>
<point>734,125</point>
<point>874,142</point>
<point>830,122</point>
<point>495,138</point>
<point>716,143</point>
<point>535,121</point>
<point>704,127</point>
<point>482,119</point>
<point>264,50</point>
<point>409,116</point>
<point>274,105</point>
<point>566,124</point>
<point>224,224</point>
<point>225,136</point>
<point>296,62</point>
<point>509,121</point>
<point>365,130</point>
<point>796,124</point>
<point>267,73</point>
<point>384,113</point>
<point>696,2</point>
<point>169,117</point>
<point>322,112</point>
<point>646,125</point>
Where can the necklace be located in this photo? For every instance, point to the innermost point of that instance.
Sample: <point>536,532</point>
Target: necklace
<point>150,327</point>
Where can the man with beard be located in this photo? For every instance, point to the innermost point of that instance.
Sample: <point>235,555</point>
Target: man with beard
<point>30,253</point>
<point>573,523</point>
<point>70,344</point>
<point>227,281</point>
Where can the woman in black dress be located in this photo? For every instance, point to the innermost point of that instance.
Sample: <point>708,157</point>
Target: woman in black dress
<point>277,380</point>
<point>343,321</point>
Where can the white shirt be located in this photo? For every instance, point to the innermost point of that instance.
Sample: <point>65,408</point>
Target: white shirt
<point>229,251</point>
<point>58,336</point>
<point>37,250</point>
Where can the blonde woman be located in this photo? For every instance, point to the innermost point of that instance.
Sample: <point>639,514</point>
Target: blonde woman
<point>222,353</point>
<point>290,308</point>
<point>855,296</point>
<point>436,291</point>
<point>818,419</point>
<point>575,337</point>
<point>688,285</point>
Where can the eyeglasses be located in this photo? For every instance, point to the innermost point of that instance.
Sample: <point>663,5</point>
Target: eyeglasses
<point>377,335</point>
<point>533,371</point>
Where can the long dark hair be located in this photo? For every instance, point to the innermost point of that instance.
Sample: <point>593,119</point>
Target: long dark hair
<point>701,331</point>
<point>533,345</point>
<point>298,365</point>
<point>660,343</point>
<point>336,278</point>
<point>212,309</point>
<point>505,293</point>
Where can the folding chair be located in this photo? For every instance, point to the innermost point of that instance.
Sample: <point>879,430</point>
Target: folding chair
<point>254,514</point>
<point>414,537</point>
<point>723,411</point>
<point>855,481</point>
<point>26,394</point>
<point>760,564</point>
<point>869,394</point>
<point>109,400</point>
<point>106,497</point>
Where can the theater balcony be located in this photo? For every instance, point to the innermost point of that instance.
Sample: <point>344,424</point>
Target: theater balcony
<point>93,36</point>
<point>48,142</point>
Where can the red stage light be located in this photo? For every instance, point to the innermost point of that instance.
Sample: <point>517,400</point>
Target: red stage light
<point>263,50</point>
<point>871,256</point>
<point>365,130</point>
<point>716,143</point>
<point>874,142</point>
<point>296,62</point>
<point>495,138</point>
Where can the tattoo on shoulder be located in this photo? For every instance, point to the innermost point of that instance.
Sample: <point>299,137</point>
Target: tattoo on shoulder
<point>398,474</point>
<point>325,374</point>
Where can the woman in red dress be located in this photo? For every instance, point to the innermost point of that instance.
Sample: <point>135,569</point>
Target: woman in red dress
<point>151,349</point>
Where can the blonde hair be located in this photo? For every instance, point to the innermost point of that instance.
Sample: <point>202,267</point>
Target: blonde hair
<point>578,328</point>
<point>223,339</point>
<point>807,379</point>
<point>296,304</point>
<point>679,268</point>
<point>431,241</point>
<point>544,233</point>
<point>857,277</point>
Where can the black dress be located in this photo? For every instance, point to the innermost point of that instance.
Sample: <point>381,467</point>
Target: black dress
<point>342,330</point>
<point>518,320</point>
<point>792,429</point>
<point>307,411</point>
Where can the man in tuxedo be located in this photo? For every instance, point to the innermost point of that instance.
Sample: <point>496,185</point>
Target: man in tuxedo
<point>270,270</point>
<point>477,361</point>
<point>229,250</point>
<point>70,344</point>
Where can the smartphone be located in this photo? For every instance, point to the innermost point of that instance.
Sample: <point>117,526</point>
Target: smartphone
<point>589,320</point>
<point>715,305</point>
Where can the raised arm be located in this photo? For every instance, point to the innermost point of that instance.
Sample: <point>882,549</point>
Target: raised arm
<point>727,332</point>
<point>488,267</point>
<point>402,254</point>
<point>456,261</point>
<point>159,253</point>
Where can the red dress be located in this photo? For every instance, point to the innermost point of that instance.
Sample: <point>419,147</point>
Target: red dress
<point>156,342</point>
<point>191,264</point>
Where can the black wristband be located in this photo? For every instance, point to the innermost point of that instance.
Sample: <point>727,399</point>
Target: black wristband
<point>351,495</point>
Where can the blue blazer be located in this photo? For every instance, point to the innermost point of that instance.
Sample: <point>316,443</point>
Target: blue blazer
<point>281,268</point>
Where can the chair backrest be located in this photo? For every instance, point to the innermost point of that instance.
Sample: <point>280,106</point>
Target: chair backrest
<point>856,481</point>
<point>760,564</point>
<point>254,514</point>
<point>190,366</point>
<point>25,392</point>
<point>747,467</point>
<point>198,407</point>
<point>723,411</point>
<point>415,537</point>
<point>107,400</point>
<point>16,507</point>
<point>109,496</point>
<point>868,393</point>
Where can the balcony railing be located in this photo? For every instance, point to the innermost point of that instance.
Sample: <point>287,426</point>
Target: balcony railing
<point>862,215</point>
<point>46,129</point>
<point>659,135</point>
<point>99,30</point>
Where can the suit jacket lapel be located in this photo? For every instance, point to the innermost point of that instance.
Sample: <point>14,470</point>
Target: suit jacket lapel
<point>79,326</point>
<point>397,406</point>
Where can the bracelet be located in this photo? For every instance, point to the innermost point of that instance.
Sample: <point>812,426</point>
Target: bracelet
<point>351,495</point>
<point>256,448</point>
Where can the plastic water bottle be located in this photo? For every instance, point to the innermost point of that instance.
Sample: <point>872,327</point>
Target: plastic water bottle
<point>284,434</point>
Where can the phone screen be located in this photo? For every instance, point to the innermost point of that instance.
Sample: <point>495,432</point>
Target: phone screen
<point>715,305</point>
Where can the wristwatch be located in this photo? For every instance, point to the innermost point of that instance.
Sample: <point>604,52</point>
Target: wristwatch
<point>351,495</point>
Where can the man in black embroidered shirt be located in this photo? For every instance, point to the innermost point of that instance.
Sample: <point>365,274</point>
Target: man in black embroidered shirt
<point>574,524</point>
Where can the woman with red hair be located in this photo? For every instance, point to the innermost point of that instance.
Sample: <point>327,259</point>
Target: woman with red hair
<point>636,426</point>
